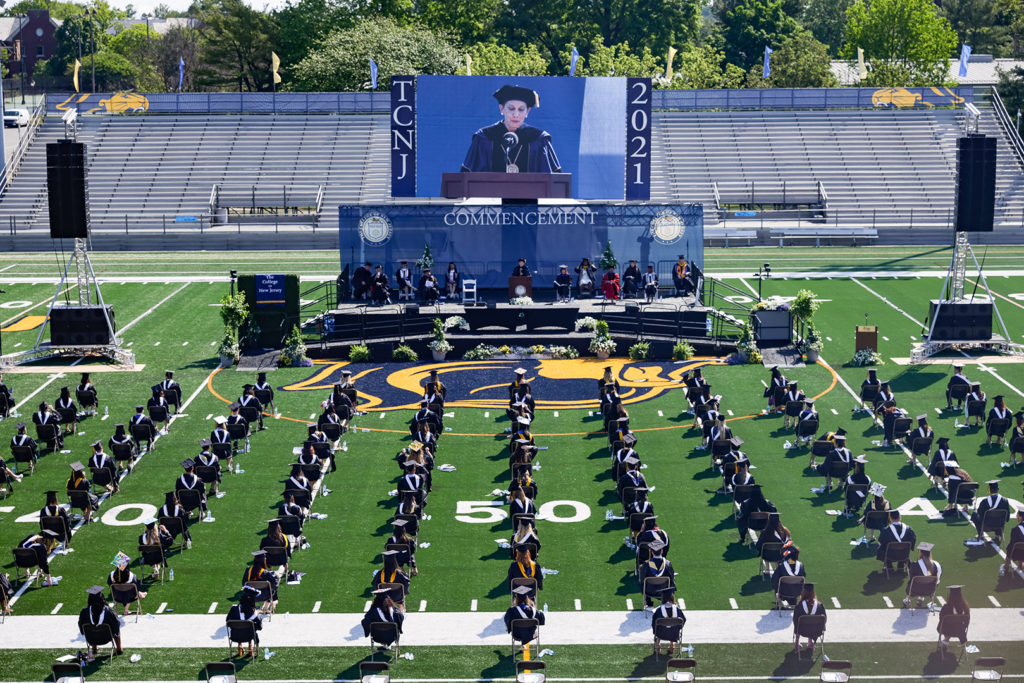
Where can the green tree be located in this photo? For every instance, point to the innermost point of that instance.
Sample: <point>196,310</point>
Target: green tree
<point>472,21</point>
<point>303,24</point>
<point>616,60</point>
<point>981,24</point>
<point>179,43</point>
<point>139,48</point>
<point>907,42</point>
<point>654,24</point>
<point>236,41</point>
<point>491,59</point>
<point>753,24</point>
<point>342,61</point>
<point>826,19</point>
<point>77,35</point>
<point>801,62</point>
<point>702,68</point>
<point>1011,89</point>
<point>550,25</point>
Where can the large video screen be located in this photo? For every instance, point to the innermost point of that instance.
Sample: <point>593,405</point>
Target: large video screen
<point>594,133</point>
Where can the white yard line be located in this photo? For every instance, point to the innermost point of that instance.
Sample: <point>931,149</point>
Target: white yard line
<point>747,285</point>
<point>127,327</point>
<point>472,605</point>
<point>835,602</point>
<point>316,606</point>
<point>213,608</point>
<point>629,604</point>
<point>577,604</point>
<point>732,603</point>
<point>423,605</point>
<point>887,601</point>
<point>992,599</point>
<point>57,608</point>
<point>161,608</point>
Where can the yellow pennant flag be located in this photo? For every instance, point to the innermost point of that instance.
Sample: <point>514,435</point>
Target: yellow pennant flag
<point>276,63</point>
<point>862,71</point>
<point>78,65</point>
<point>671,55</point>
<point>469,65</point>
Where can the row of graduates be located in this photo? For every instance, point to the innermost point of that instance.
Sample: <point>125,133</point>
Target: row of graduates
<point>391,583</point>
<point>780,556</point>
<point>650,541</point>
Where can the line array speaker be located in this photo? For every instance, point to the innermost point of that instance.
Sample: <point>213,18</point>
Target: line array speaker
<point>975,183</point>
<point>67,189</point>
<point>80,326</point>
<point>960,321</point>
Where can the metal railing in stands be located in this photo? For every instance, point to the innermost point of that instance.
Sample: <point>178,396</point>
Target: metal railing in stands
<point>35,120</point>
<point>1009,129</point>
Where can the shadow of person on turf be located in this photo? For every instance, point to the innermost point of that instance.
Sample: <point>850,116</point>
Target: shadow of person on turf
<point>794,664</point>
<point>940,663</point>
<point>775,621</point>
<point>910,620</point>
<point>502,667</point>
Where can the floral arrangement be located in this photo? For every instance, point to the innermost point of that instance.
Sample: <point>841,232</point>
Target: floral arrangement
<point>294,353</point>
<point>229,347</point>
<point>521,301</point>
<point>747,347</point>
<point>812,341</point>
<point>440,344</point>
<point>484,352</point>
<point>537,348</point>
<point>602,344</point>
<point>454,321</point>
<point>683,351</point>
<point>586,323</point>
<point>359,353</point>
<point>563,352</point>
<point>504,348</point>
<point>404,352</point>
<point>772,303</point>
<point>640,351</point>
<point>867,357</point>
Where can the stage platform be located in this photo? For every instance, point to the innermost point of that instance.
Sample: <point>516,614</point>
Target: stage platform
<point>662,322</point>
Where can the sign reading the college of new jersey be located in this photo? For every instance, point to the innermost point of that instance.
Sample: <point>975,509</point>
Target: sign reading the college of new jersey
<point>270,290</point>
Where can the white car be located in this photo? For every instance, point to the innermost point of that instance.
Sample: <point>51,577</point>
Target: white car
<point>15,117</point>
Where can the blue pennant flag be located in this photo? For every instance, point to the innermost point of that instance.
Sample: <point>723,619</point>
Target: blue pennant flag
<point>373,73</point>
<point>767,62</point>
<point>181,72</point>
<point>965,57</point>
<point>572,62</point>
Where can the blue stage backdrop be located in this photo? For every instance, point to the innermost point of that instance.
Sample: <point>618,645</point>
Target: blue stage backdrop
<point>486,241</point>
<point>587,118</point>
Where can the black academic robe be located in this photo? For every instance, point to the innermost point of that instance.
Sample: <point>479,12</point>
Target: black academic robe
<point>97,616</point>
<point>787,569</point>
<point>521,271</point>
<point>102,461</point>
<point>398,576</point>
<point>897,532</point>
<point>251,573</point>
<point>633,479</point>
<point>24,440</point>
<point>532,153</point>
<point>32,543</point>
<point>630,280</point>
<point>921,568</point>
<point>517,507</point>
<point>806,608</point>
<point>650,536</point>
<point>991,502</point>
<point>668,610</point>
<point>655,567</point>
<point>58,511</point>
<point>378,615</point>
<point>427,287</point>
<point>529,570</point>
<point>126,576</point>
<point>238,613</point>
<point>523,634</point>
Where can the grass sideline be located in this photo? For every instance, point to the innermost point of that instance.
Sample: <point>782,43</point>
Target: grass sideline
<point>908,661</point>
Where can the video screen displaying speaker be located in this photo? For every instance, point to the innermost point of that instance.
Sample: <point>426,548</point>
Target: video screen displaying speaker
<point>80,326</point>
<point>67,189</point>
<point>975,183</point>
<point>961,321</point>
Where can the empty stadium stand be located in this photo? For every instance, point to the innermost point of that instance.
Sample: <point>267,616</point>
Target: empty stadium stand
<point>887,173</point>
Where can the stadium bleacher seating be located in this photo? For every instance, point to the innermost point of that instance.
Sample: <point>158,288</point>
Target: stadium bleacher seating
<point>875,165</point>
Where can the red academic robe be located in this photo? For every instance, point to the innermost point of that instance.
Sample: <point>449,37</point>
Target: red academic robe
<point>610,286</point>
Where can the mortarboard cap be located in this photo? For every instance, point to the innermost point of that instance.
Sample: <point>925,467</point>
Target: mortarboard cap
<point>188,463</point>
<point>943,441</point>
<point>139,408</point>
<point>998,399</point>
<point>955,591</point>
<point>840,432</point>
<point>877,489</point>
<point>520,371</point>
<point>50,532</point>
<point>630,460</point>
<point>76,466</point>
<point>381,591</point>
<point>246,387</point>
<point>523,420</point>
<point>96,443</point>
<point>925,547</point>
<point>168,373</point>
<point>1019,415</point>
<point>808,586</point>
<point>346,373</point>
<point>260,553</point>
<point>736,442</point>
<point>95,590</point>
<point>220,419</point>
<point>20,425</point>
<point>156,389</point>
<point>260,376</point>
<point>273,522</point>
<point>958,366</point>
<point>204,443</point>
<point>840,437</point>
<point>250,589</point>
<point>922,417</point>
<point>169,496</point>
<point>809,401</point>
<point>563,266</point>
<point>861,459</point>
<point>235,405</point>
<point>657,546</point>
<point>400,523</point>
<point>49,493</point>
<point>389,553</point>
<point>149,521</point>
<point>522,590</point>
<point>993,483</point>
<point>975,385</point>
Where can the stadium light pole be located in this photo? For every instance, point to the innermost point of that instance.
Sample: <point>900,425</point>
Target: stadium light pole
<point>92,34</point>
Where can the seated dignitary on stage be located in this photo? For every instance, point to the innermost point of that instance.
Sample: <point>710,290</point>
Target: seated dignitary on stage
<point>650,282</point>
<point>925,566</point>
<point>670,634</point>
<point>452,281</point>
<point>585,278</point>
<point>123,574</point>
<point>361,280</point>
<point>563,284</point>
<point>808,605</point>
<point>681,276</point>
<point>382,611</point>
<point>97,612</point>
<point>403,279</point>
<point>428,287</point>
<point>246,610</point>
<point>610,285</point>
<point>630,280</point>
<point>522,608</point>
<point>379,286</point>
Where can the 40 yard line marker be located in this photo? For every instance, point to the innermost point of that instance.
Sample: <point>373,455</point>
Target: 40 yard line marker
<point>57,608</point>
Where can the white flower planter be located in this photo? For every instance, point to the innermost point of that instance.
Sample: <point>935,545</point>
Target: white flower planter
<point>439,355</point>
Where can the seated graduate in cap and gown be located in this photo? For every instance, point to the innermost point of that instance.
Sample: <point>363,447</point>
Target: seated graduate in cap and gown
<point>246,610</point>
<point>382,611</point>
<point>522,608</point>
<point>511,146</point>
<point>260,571</point>
<point>96,613</point>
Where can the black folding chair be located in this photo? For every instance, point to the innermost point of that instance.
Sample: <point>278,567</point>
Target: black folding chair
<point>79,500</point>
<point>190,499</point>
<point>101,476</point>
<point>126,594</point>
<point>241,631</point>
<point>898,552</point>
<point>770,552</point>
<point>530,671</point>
<point>123,451</point>
<point>528,631</point>
<point>654,586</point>
<point>265,595</point>
<point>997,427</point>
<point>921,446</point>
<point>264,396</point>
<point>820,448</point>
<point>68,415</point>
<point>158,413</point>
<point>223,451</point>
<point>374,672</point>
<point>26,558</point>
<point>995,521</point>
<point>207,473</point>
<point>302,497</point>
<point>671,629</point>
<point>719,447</point>
<point>869,392</point>
<point>48,434</point>
<point>794,408</point>
<point>523,581</point>
<point>98,635</point>
<point>384,632</point>
<point>57,525</point>
<point>988,669</point>
<point>806,429</point>
<point>277,556</point>
<point>922,587</point>
<point>788,591</point>
<point>239,432</point>
<point>143,432</point>
<point>153,555</point>
<point>86,399</point>
<point>965,493</point>
<point>250,413</point>
<point>811,626</point>
<point>976,408</point>
<point>332,431</point>
<point>958,392</point>
<point>176,527</point>
<point>900,428</point>
<point>67,672</point>
<point>222,672</point>
<point>291,525</point>
<point>24,454</point>
<point>953,626</point>
<point>757,521</point>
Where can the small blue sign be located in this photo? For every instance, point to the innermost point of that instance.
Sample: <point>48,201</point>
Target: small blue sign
<point>270,290</point>
<point>186,219</point>
<point>744,214</point>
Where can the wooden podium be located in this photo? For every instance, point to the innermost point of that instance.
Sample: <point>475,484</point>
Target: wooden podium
<point>507,185</point>
<point>517,281</point>
<point>867,338</point>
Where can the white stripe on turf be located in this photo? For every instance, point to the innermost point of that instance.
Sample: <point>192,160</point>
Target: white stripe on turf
<point>423,605</point>
<point>887,601</point>
<point>577,604</point>
<point>629,604</point>
<point>316,606</point>
<point>213,608</point>
<point>993,600</point>
<point>732,603</point>
<point>472,605</point>
<point>835,602</point>
<point>161,608</point>
<point>57,608</point>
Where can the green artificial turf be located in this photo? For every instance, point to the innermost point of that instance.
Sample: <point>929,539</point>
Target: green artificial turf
<point>619,662</point>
